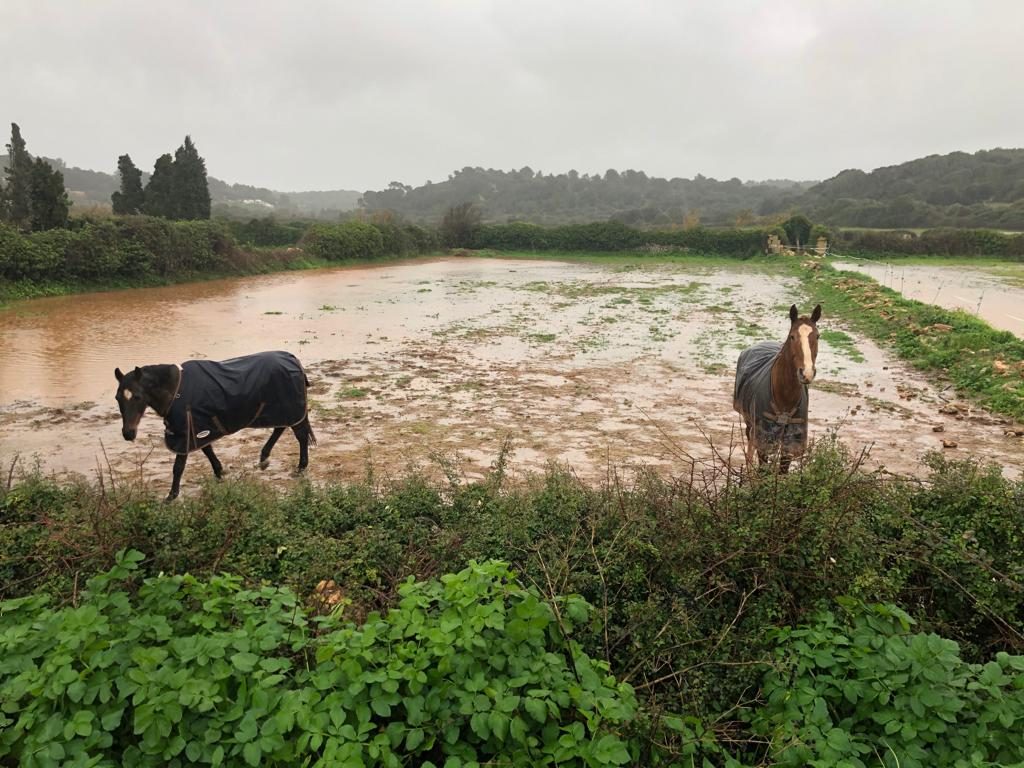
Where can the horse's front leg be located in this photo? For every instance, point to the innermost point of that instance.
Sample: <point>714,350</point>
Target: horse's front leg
<point>179,469</point>
<point>269,446</point>
<point>303,433</point>
<point>218,468</point>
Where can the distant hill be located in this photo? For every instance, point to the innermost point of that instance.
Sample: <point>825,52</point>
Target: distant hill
<point>92,189</point>
<point>629,196</point>
<point>983,189</point>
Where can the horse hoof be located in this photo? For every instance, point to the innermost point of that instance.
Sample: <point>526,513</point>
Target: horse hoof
<point>170,497</point>
<point>264,463</point>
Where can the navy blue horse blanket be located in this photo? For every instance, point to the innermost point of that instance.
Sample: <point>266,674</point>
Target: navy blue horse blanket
<point>216,399</point>
<point>752,398</point>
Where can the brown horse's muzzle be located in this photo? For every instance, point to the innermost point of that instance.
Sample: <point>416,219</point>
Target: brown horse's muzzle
<point>128,433</point>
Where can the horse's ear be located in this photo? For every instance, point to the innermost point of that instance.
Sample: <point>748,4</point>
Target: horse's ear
<point>793,314</point>
<point>117,374</point>
<point>816,314</point>
<point>137,371</point>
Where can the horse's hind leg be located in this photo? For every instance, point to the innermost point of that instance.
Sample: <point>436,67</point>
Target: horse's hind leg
<point>179,469</point>
<point>218,468</point>
<point>304,434</point>
<point>269,446</point>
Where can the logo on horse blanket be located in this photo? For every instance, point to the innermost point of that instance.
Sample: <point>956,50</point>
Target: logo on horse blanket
<point>216,399</point>
<point>752,397</point>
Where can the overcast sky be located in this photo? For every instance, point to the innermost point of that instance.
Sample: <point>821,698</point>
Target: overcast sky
<point>323,95</point>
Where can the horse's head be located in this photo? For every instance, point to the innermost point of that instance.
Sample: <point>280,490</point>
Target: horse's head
<point>802,343</point>
<point>131,399</point>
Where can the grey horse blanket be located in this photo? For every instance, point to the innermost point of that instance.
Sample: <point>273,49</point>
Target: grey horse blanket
<point>216,399</point>
<point>752,398</point>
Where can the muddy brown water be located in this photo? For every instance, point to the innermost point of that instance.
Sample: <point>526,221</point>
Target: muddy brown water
<point>995,294</point>
<point>435,364</point>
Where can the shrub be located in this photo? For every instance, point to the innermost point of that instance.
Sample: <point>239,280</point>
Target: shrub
<point>462,671</point>
<point>863,690</point>
<point>351,240</point>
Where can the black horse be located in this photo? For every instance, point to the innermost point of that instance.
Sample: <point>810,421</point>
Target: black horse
<point>201,401</point>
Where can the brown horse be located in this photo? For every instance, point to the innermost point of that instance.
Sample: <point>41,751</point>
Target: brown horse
<point>771,390</point>
<point>202,400</point>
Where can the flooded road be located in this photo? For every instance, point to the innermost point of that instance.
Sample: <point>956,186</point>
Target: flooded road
<point>435,364</point>
<point>995,294</point>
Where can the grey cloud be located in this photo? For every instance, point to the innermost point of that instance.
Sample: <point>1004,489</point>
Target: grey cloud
<point>355,94</point>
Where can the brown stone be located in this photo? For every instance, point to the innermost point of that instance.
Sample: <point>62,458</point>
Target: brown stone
<point>949,444</point>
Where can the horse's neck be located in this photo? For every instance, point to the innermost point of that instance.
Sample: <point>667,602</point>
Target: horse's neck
<point>161,386</point>
<point>787,391</point>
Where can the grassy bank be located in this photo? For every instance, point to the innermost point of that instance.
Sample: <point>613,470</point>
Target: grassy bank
<point>982,363</point>
<point>693,582</point>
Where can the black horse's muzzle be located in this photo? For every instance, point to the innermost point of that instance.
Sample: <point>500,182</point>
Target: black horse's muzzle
<point>128,433</point>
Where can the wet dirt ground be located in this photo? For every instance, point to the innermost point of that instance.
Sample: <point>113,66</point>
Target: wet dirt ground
<point>435,365</point>
<point>993,293</point>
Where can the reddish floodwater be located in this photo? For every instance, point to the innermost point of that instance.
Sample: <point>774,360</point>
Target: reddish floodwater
<point>593,365</point>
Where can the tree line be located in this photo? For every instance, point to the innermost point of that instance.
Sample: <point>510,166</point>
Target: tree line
<point>984,189</point>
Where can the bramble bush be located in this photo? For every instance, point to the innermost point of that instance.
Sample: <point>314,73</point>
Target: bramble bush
<point>860,689</point>
<point>689,577</point>
<point>177,670</point>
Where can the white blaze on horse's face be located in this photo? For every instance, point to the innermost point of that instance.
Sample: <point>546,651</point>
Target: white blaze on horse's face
<point>806,369</point>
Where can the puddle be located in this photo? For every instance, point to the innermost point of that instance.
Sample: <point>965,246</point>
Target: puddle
<point>995,294</point>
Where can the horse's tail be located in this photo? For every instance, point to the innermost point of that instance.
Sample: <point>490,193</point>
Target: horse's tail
<point>309,431</point>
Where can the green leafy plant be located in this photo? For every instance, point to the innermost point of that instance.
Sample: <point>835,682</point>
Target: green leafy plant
<point>175,670</point>
<point>862,690</point>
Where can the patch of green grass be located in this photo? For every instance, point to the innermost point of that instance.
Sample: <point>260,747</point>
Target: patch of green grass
<point>842,343</point>
<point>273,312</point>
<point>542,338</point>
<point>352,393</point>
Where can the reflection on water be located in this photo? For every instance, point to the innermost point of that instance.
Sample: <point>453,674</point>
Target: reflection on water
<point>995,297</point>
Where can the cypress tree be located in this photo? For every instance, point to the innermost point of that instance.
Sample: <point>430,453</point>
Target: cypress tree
<point>49,199</point>
<point>18,189</point>
<point>160,191</point>
<point>191,190</point>
<point>131,198</point>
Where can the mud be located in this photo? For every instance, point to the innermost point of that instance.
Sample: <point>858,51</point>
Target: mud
<point>436,365</point>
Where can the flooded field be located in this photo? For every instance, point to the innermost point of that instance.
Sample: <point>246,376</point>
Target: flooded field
<point>995,294</point>
<point>437,364</point>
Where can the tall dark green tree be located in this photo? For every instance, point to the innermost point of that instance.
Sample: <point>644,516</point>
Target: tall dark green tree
<point>17,207</point>
<point>191,190</point>
<point>459,226</point>
<point>131,198</point>
<point>798,229</point>
<point>50,204</point>
<point>160,192</point>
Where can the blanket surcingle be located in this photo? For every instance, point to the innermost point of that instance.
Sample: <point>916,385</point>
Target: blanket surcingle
<point>752,398</point>
<point>216,399</point>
